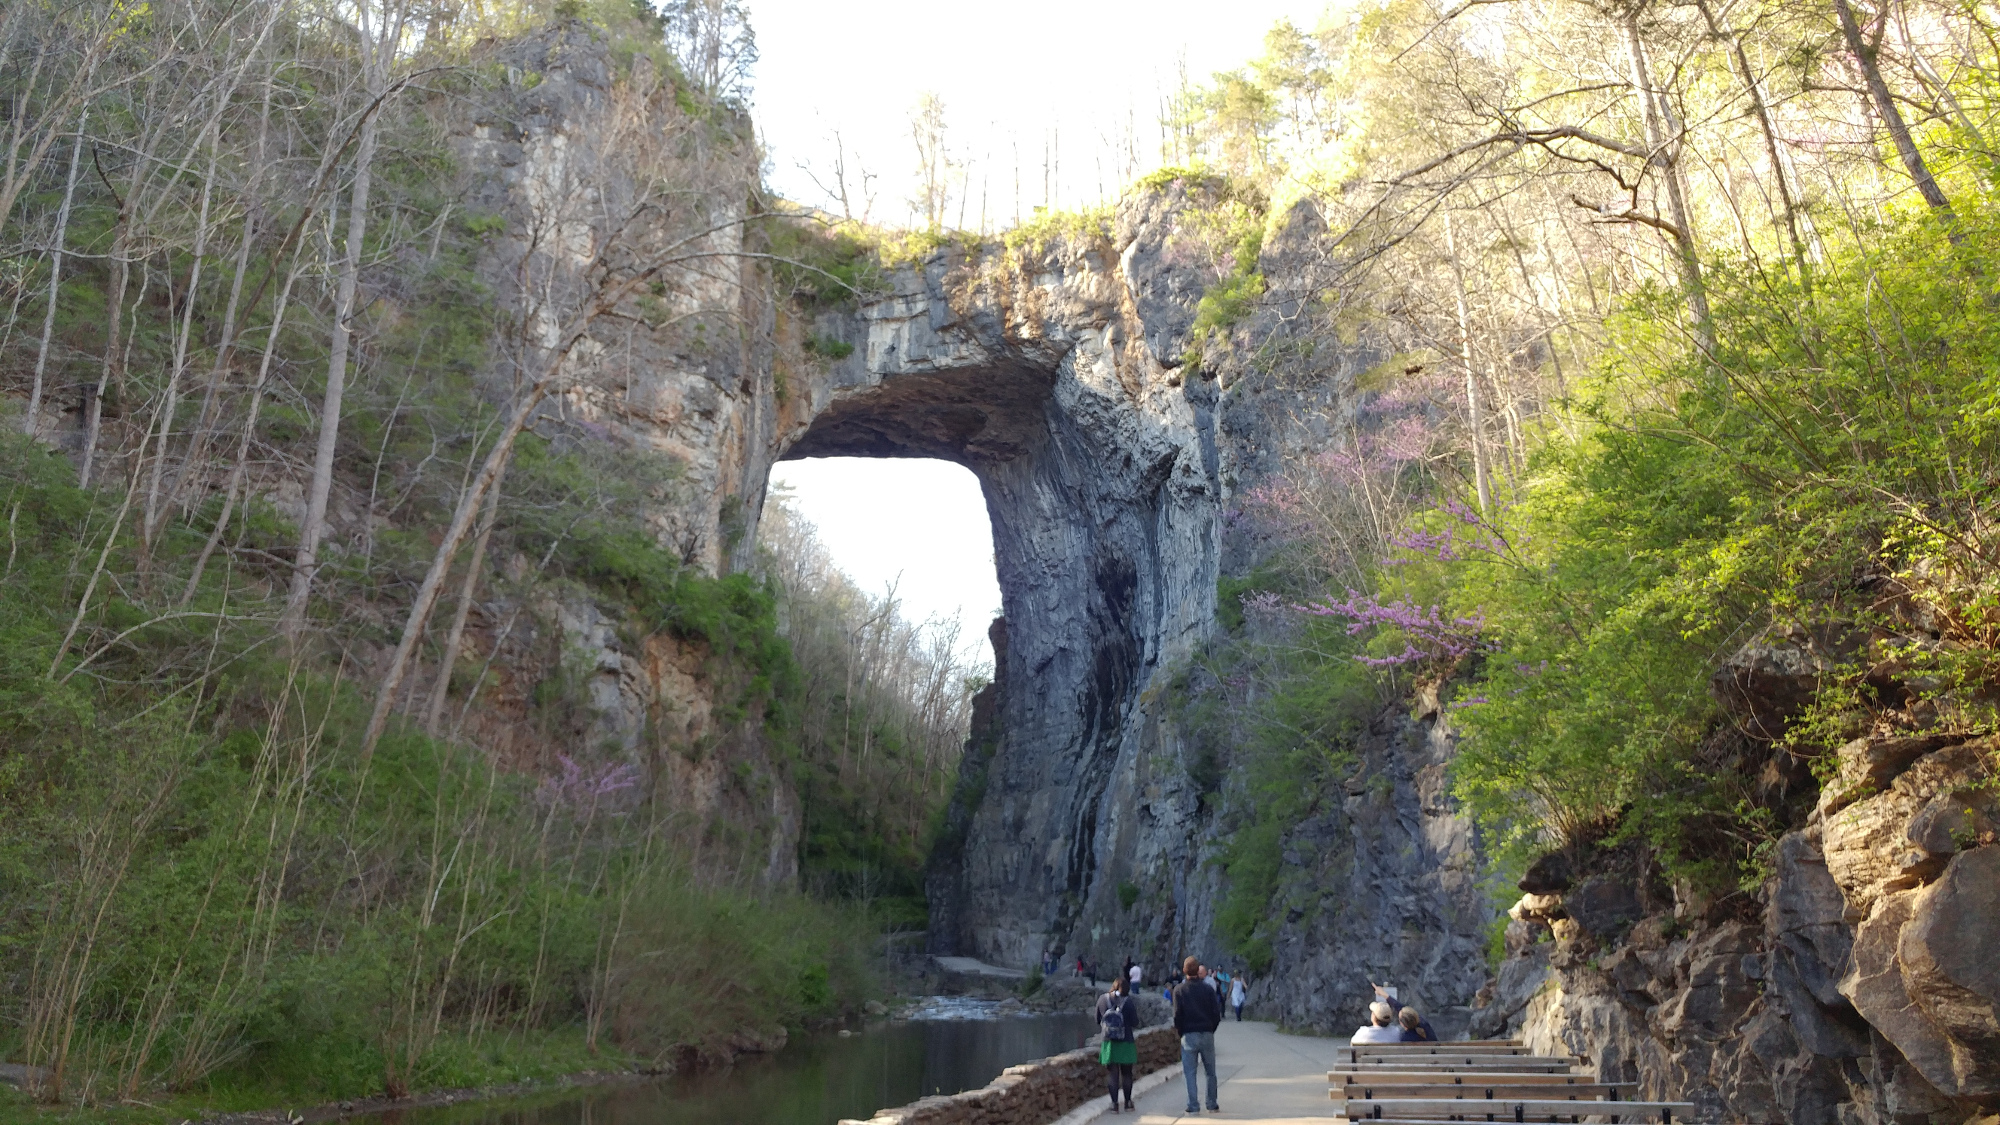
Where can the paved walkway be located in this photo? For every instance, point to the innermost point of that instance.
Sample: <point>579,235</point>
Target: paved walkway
<point>980,968</point>
<point>1265,1076</point>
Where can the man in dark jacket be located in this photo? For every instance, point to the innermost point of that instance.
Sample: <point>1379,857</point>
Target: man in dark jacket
<point>1197,1013</point>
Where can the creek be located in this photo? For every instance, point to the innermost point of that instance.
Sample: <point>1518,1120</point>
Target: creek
<point>817,1079</point>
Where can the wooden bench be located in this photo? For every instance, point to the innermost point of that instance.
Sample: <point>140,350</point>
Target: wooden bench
<point>1365,1089</point>
<point>1455,1066</point>
<point>1458,1043</point>
<point>1469,1047</point>
<point>1459,1075</point>
<point>1356,1056</point>
<point>1506,1109</point>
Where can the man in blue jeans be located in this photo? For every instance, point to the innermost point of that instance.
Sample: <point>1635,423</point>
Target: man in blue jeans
<point>1197,1013</point>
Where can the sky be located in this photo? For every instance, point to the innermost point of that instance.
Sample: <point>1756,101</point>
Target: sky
<point>918,524</point>
<point>1081,78</point>
<point>1072,86</point>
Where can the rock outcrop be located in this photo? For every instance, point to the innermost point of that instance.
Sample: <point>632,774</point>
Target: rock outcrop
<point>1859,987</point>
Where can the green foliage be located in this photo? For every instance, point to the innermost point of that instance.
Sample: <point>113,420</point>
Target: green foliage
<point>818,265</point>
<point>1235,225</point>
<point>826,347</point>
<point>1128,893</point>
<point>1828,471</point>
<point>154,824</point>
<point>1274,711</point>
<point>585,514</point>
<point>1044,227</point>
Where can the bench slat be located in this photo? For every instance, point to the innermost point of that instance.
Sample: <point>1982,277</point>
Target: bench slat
<point>1497,1065</point>
<point>1368,1051</point>
<point>1419,1119</point>
<point>1458,1043</point>
<point>1497,1062</point>
<point>1505,1109</point>
<point>1456,1076</point>
<point>1486,1091</point>
<point>1437,1049</point>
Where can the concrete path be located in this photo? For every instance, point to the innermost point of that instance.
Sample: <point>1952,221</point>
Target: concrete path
<point>980,968</point>
<point>1265,1076</point>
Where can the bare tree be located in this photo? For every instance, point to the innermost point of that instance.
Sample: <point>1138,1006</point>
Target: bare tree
<point>56,245</point>
<point>378,32</point>
<point>934,163</point>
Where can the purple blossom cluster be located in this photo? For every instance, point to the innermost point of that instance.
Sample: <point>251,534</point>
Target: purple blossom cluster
<point>1393,432</point>
<point>583,788</point>
<point>1473,534</point>
<point>1427,634</point>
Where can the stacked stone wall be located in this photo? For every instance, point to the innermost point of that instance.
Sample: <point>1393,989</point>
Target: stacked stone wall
<point>1033,1093</point>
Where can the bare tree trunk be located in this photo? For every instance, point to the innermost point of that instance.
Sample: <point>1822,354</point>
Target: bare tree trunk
<point>1767,127</point>
<point>32,420</point>
<point>1663,140</point>
<point>1885,108</point>
<point>1476,412</point>
<point>313,529</point>
<point>249,430</point>
<point>225,347</point>
<point>111,380</point>
<point>111,375</point>
<point>466,592</point>
<point>469,502</point>
<point>155,514</point>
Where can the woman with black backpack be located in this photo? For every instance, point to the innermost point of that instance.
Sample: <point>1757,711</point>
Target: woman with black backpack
<point>1118,1016</point>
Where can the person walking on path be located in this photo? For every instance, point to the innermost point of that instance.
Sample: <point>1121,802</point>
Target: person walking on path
<point>1197,1013</point>
<point>1237,994</point>
<point>1133,973</point>
<point>1118,1017</point>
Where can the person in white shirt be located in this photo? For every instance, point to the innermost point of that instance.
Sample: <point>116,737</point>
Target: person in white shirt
<point>1381,1027</point>
<point>1236,995</point>
<point>1135,974</point>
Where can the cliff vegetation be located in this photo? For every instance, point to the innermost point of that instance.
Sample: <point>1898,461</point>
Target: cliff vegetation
<point>371,719</point>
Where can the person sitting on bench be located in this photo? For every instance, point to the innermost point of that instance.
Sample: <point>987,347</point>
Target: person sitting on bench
<point>1381,1026</point>
<point>1416,1029</point>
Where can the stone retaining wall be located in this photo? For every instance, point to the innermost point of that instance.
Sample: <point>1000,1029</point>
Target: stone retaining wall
<point>1033,1093</point>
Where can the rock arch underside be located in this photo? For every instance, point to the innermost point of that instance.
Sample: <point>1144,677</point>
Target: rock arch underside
<point>1100,474</point>
<point>1109,467</point>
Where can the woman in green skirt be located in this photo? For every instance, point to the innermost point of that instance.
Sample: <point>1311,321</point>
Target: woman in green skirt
<point>1118,1016</point>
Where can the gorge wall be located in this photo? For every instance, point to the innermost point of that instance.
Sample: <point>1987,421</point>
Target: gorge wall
<point>1055,371</point>
<point>1856,986</point>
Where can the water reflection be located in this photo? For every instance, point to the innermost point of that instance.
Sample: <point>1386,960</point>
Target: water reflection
<point>817,1080</point>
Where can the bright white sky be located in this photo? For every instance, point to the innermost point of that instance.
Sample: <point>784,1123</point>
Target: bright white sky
<point>1010,74</point>
<point>1082,78</point>
<point>919,524</point>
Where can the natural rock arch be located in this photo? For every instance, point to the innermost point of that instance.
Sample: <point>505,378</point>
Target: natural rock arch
<point>1098,465</point>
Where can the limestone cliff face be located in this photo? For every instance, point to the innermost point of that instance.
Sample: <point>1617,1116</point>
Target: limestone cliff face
<point>1385,886</point>
<point>698,387</point>
<point>1055,373</point>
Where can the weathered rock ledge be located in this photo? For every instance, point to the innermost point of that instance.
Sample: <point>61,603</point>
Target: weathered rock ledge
<point>1859,987</point>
